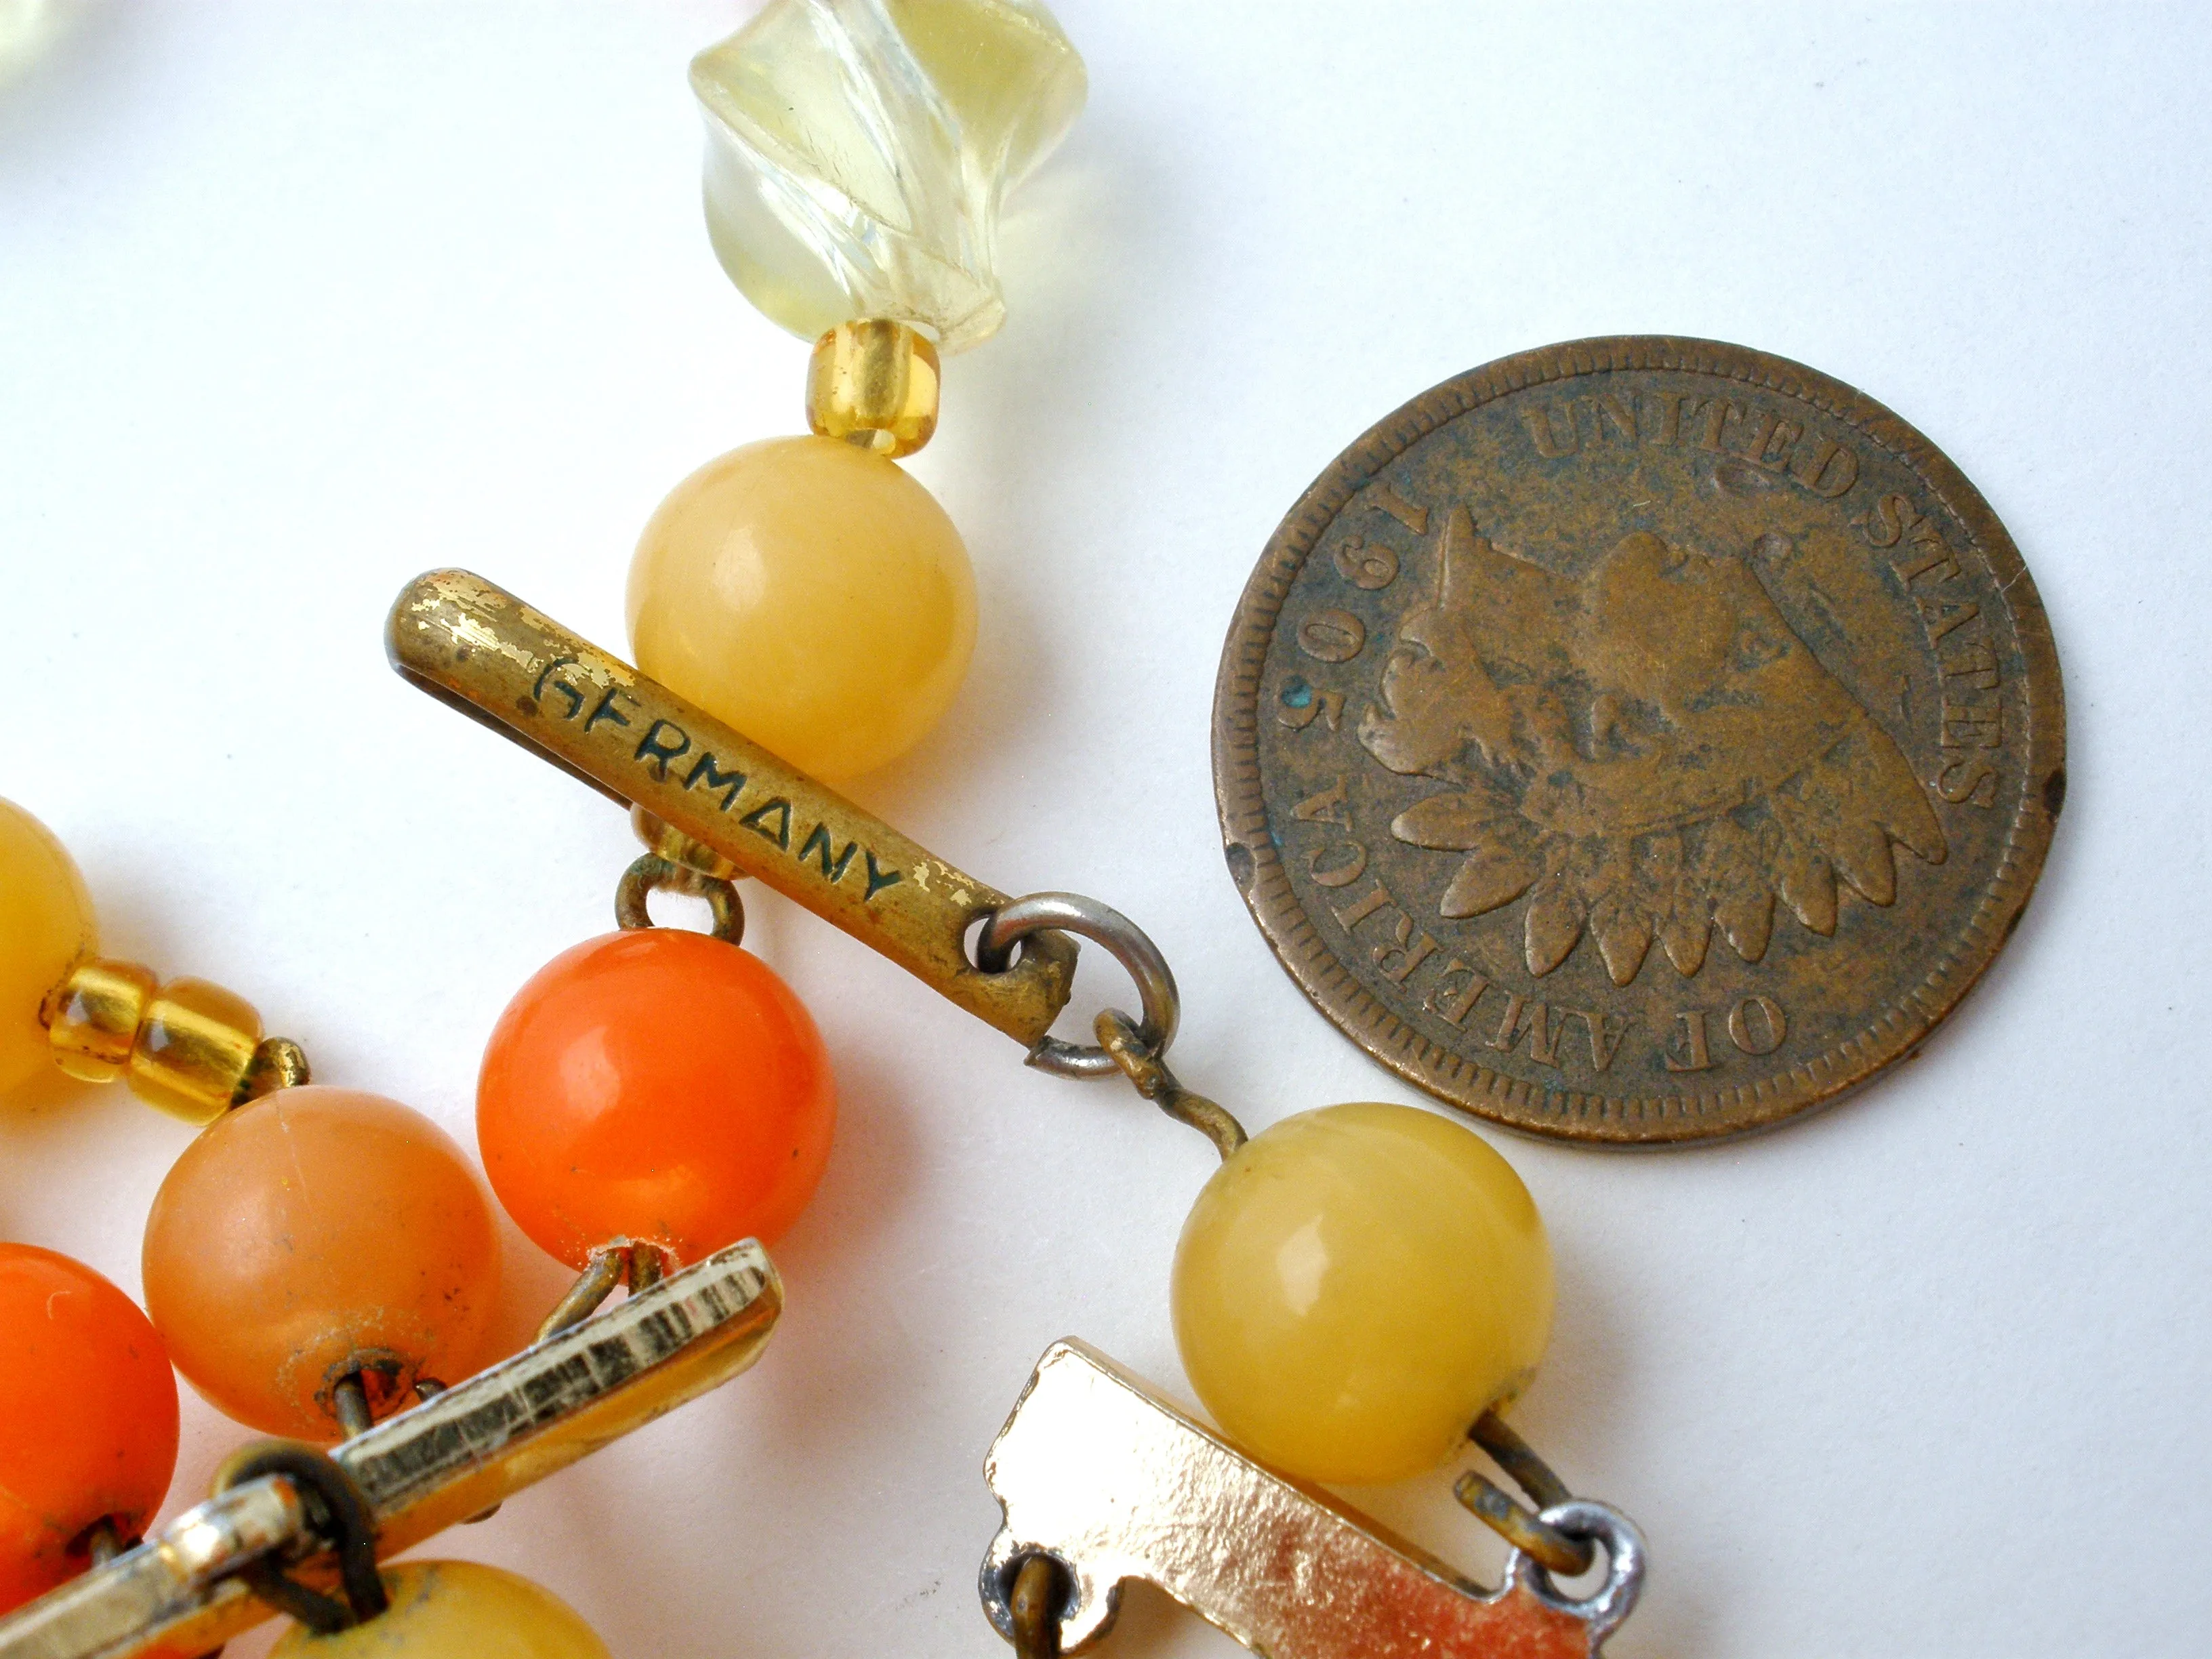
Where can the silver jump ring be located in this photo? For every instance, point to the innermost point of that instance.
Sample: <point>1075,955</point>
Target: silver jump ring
<point>1603,1609</point>
<point>1071,913</point>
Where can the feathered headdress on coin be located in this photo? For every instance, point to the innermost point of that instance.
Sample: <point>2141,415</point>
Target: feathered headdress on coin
<point>1648,752</point>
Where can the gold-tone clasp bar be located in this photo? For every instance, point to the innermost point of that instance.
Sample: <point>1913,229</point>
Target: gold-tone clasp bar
<point>1099,1470</point>
<point>478,647</point>
<point>420,1472</point>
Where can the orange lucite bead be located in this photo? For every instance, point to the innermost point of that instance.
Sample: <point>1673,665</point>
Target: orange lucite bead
<point>659,1085</point>
<point>88,1418</point>
<point>316,1233</point>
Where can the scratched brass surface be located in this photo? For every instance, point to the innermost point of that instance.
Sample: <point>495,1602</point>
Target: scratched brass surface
<point>478,647</point>
<point>437,1463</point>
<point>1097,1468</point>
<point>1639,740</point>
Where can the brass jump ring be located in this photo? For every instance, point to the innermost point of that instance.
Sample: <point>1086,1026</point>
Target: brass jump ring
<point>653,874</point>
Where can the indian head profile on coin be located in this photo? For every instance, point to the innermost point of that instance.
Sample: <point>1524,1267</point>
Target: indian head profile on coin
<point>1639,740</point>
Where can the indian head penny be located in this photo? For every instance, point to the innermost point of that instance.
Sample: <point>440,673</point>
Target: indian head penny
<point>1639,740</point>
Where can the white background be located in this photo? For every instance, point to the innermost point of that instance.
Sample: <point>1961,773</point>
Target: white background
<point>296,301</point>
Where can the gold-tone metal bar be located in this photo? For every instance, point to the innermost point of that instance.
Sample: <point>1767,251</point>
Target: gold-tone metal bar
<point>426,1468</point>
<point>1100,1471</point>
<point>478,647</point>
<point>250,1520</point>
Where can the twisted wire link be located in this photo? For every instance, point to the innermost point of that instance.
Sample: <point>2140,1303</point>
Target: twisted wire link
<point>1119,1035</point>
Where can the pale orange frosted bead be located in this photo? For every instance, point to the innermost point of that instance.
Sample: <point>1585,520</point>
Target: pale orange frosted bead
<point>455,1610</point>
<point>309,1233</point>
<point>809,594</point>
<point>45,925</point>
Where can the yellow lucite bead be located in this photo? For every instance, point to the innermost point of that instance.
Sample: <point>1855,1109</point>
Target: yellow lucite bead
<point>873,383</point>
<point>1355,1286</point>
<point>455,1610</point>
<point>809,594</point>
<point>193,1048</point>
<point>858,152</point>
<point>95,1018</point>
<point>45,925</point>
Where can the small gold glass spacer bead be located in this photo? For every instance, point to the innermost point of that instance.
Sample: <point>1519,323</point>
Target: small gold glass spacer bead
<point>873,383</point>
<point>194,1048</point>
<point>92,1016</point>
<point>667,842</point>
<point>278,1063</point>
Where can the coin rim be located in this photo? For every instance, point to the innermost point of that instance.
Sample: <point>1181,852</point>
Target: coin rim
<point>1895,1033</point>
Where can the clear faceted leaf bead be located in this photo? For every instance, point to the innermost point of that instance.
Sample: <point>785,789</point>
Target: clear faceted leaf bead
<point>858,152</point>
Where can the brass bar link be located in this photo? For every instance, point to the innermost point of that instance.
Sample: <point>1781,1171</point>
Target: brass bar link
<point>1039,1601</point>
<point>727,801</point>
<point>645,1266</point>
<point>335,1516</point>
<point>1549,1547</point>
<point>652,874</point>
<point>1100,1472</point>
<point>1119,1037</point>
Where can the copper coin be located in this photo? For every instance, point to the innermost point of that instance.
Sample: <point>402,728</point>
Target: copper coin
<point>1639,740</point>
